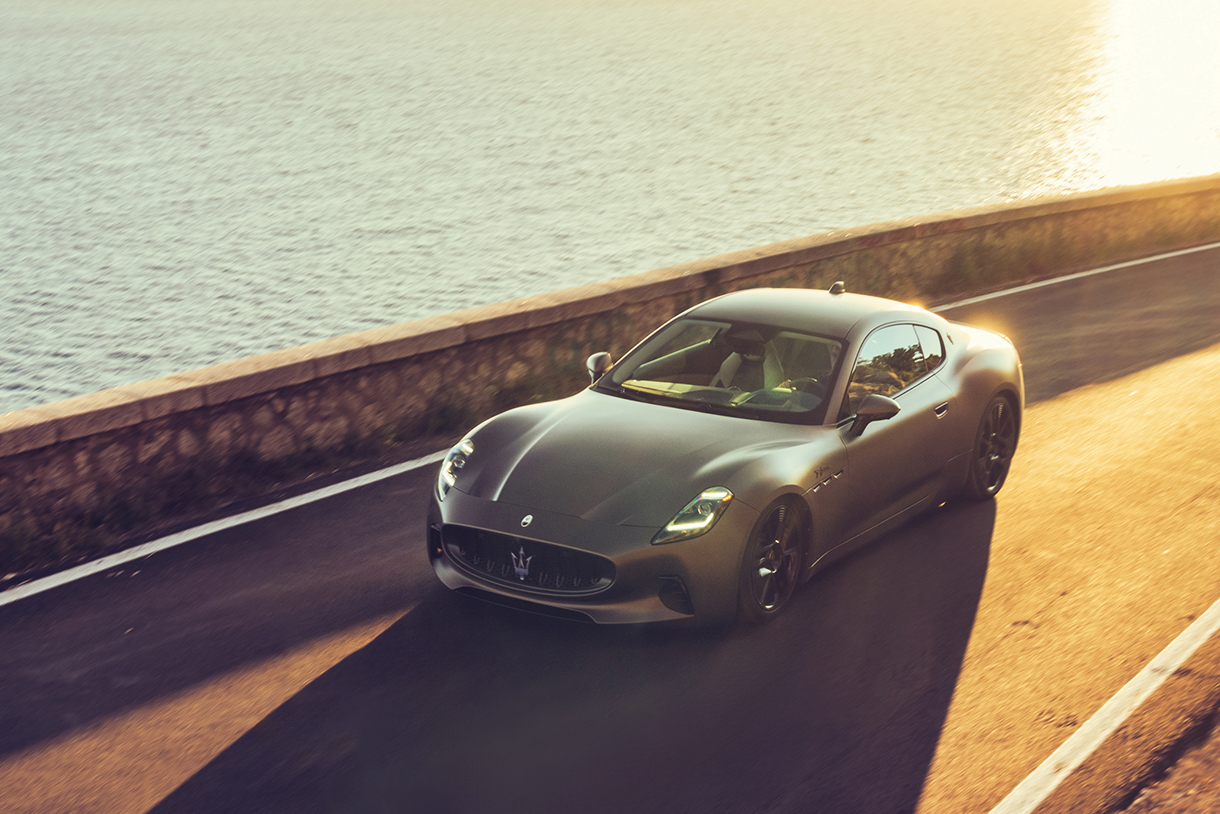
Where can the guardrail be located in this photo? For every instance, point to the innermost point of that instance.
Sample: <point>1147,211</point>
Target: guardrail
<point>78,475</point>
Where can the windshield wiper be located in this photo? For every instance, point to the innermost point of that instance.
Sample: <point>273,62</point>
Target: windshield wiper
<point>623,392</point>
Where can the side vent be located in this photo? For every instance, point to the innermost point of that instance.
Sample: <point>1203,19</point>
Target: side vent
<point>673,595</point>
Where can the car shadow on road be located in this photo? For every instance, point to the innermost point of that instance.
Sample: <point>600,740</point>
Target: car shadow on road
<point>464,707</point>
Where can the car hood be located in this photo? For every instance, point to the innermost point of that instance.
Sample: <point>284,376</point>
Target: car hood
<point>613,460</point>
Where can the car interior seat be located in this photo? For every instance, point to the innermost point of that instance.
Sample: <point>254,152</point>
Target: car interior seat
<point>752,365</point>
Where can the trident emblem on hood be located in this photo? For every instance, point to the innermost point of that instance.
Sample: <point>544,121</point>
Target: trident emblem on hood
<point>521,564</point>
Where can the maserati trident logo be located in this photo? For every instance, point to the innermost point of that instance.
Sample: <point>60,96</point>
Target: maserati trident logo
<point>521,564</point>
<point>525,521</point>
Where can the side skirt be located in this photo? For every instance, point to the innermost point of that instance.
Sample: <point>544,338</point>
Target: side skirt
<point>863,538</point>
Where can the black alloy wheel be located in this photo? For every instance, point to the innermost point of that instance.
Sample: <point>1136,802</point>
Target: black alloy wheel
<point>771,566</point>
<point>993,449</point>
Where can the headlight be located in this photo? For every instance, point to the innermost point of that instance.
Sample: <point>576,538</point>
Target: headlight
<point>453,463</point>
<point>697,517</point>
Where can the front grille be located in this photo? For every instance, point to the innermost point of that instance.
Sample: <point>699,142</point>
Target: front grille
<point>526,563</point>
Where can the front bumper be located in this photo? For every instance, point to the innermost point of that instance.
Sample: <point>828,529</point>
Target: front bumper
<point>648,583</point>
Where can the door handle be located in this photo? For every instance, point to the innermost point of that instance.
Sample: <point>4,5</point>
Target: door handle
<point>941,409</point>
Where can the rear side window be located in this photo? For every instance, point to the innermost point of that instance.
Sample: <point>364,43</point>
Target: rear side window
<point>932,345</point>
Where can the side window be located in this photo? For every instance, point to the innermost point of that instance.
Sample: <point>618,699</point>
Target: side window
<point>891,358</point>
<point>933,346</point>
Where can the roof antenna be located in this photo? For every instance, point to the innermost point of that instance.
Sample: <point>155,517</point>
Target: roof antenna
<point>837,287</point>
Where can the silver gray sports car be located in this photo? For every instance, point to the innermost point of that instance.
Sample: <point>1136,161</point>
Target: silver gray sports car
<point>742,445</point>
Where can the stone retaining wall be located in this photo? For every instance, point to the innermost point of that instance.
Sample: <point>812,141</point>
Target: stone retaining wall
<point>81,474</point>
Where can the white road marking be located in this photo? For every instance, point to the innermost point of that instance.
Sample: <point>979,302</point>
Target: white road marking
<point>1069,277</point>
<point>1035,788</point>
<point>127,555</point>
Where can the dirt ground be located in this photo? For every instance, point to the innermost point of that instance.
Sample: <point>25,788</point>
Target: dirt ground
<point>1192,785</point>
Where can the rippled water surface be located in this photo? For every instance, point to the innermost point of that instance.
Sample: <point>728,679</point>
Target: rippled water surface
<point>188,181</point>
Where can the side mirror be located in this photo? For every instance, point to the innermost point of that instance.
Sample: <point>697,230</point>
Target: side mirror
<point>874,408</point>
<point>598,364</point>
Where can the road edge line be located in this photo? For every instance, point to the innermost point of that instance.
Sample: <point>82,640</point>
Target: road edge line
<point>85,569</point>
<point>1042,781</point>
<point>1069,277</point>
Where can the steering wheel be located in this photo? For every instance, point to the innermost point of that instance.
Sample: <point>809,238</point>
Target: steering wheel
<point>807,384</point>
<point>743,396</point>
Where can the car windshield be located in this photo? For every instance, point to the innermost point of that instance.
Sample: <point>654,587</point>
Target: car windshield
<point>745,369</point>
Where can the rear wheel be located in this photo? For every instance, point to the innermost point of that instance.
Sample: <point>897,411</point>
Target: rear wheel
<point>771,565</point>
<point>994,445</point>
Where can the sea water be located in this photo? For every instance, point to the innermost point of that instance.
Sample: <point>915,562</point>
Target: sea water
<point>184,182</point>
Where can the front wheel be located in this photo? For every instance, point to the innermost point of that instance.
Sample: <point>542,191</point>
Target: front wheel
<point>771,565</point>
<point>994,445</point>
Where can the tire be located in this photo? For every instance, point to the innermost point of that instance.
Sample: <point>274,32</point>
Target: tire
<point>994,445</point>
<point>771,563</point>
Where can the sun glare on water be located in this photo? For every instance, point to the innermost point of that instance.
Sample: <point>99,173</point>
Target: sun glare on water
<point>1155,111</point>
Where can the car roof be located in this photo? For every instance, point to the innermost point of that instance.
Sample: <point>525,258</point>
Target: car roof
<point>802,309</point>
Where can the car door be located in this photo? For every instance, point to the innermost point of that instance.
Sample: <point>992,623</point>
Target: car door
<point>894,465</point>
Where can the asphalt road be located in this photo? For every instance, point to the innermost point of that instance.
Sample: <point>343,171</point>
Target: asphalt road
<point>311,662</point>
